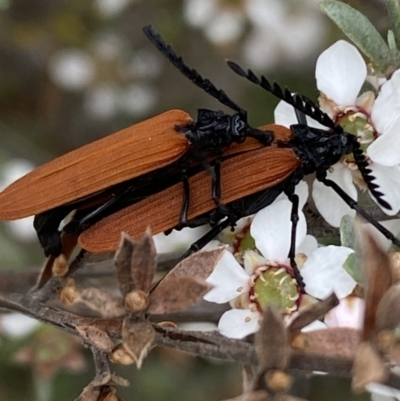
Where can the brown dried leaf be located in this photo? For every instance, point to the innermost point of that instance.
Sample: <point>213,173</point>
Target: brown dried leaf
<point>368,367</point>
<point>388,311</point>
<point>138,338</point>
<point>313,313</point>
<point>394,354</point>
<point>335,342</point>
<point>378,279</point>
<point>259,395</point>
<point>101,387</point>
<point>109,394</point>
<point>103,302</point>
<point>97,337</point>
<point>144,263</point>
<point>122,264</point>
<point>271,341</point>
<point>176,293</point>
<point>89,393</point>
<point>199,265</point>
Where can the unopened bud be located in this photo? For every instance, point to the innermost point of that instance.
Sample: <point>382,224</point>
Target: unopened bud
<point>300,342</point>
<point>385,340</point>
<point>168,325</point>
<point>278,381</point>
<point>120,355</point>
<point>60,266</point>
<point>136,301</point>
<point>69,295</point>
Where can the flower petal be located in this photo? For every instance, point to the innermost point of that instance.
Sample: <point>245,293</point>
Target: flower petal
<point>340,73</point>
<point>239,323</point>
<point>252,260</point>
<point>229,280</point>
<point>388,180</point>
<point>387,105</point>
<point>177,240</point>
<point>308,246</point>
<point>349,313</point>
<point>271,230</point>
<point>315,325</point>
<point>323,272</point>
<point>385,149</point>
<point>284,115</point>
<point>331,206</point>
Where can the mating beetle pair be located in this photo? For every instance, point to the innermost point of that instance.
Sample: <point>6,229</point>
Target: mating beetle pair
<point>133,178</point>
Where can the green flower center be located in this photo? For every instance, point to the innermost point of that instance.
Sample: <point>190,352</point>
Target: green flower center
<point>357,123</point>
<point>275,287</point>
<point>246,241</point>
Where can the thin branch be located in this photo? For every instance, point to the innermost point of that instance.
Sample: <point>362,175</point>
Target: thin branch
<point>97,266</point>
<point>100,362</point>
<point>206,344</point>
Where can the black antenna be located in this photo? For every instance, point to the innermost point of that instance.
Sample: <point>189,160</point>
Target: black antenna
<point>299,102</point>
<point>188,72</point>
<point>301,117</point>
<point>366,172</point>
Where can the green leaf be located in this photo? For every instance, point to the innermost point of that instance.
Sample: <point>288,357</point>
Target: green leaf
<point>392,42</point>
<point>360,30</point>
<point>393,8</point>
<point>393,49</point>
<point>353,267</point>
<point>347,232</point>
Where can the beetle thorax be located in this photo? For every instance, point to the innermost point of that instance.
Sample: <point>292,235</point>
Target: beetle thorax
<point>216,129</point>
<point>319,149</point>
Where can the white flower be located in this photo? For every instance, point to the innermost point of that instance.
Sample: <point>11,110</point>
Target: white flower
<point>221,22</point>
<point>340,74</point>
<point>12,171</point>
<point>278,33</point>
<point>72,69</point>
<point>267,278</point>
<point>282,34</point>
<point>349,313</point>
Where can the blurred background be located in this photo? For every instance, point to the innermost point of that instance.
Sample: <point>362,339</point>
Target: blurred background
<point>74,71</point>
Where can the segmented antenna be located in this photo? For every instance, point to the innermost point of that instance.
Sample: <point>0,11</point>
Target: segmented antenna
<point>366,173</point>
<point>301,117</point>
<point>299,102</point>
<point>188,72</point>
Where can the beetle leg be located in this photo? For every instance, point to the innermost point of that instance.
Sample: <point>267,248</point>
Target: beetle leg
<point>294,218</point>
<point>58,265</point>
<point>183,220</point>
<point>46,225</point>
<point>205,239</point>
<point>87,220</point>
<point>321,176</point>
<point>265,137</point>
<point>216,182</point>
